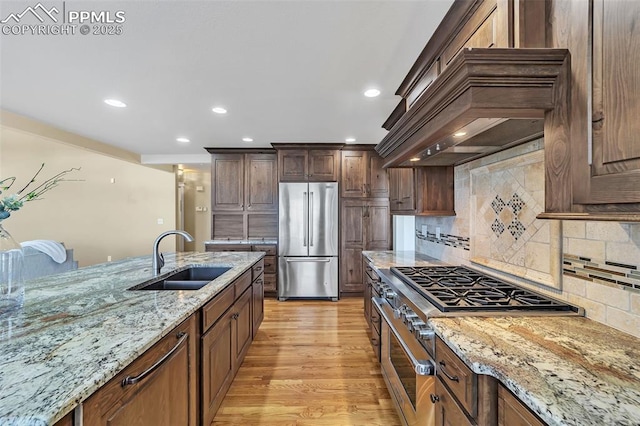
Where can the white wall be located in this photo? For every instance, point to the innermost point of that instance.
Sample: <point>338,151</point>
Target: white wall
<point>94,217</point>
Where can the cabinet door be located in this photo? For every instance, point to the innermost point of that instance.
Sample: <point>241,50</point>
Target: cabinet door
<point>402,190</point>
<point>354,172</point>
<point>257,303</point>
<point>243,327</point>
<point>615,171</point>
<point>324,165</point>
<point>352,224</point>
<point>293,165</point>
<point>351,267</point>
<point>448,413</point>
<point>261,190</point>
<point>512,412</point>
<point>377,225</point>
<point>218,357</point>
<point>161,396</point>
<point>227,184</point>
<point>378,182</point>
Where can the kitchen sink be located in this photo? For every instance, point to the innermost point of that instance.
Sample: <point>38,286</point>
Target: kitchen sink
<point>189,279</point>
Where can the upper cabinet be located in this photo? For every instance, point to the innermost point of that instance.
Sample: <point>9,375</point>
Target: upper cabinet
<point>593,161</point>
<point>362,175</point>
<point>483,83</point>
<point>302,163</point>
<point>244,193</point>
<point>422,191</point>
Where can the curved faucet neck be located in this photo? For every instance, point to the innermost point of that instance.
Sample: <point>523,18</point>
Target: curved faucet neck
<point>158,258</point>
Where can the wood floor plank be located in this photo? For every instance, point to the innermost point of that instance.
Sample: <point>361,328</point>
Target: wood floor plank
<point>310,364</point>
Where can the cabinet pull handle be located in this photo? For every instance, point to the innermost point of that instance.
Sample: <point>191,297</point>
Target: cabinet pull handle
<point>182,336</point>
<point>444,371</point>
<point>434,398</point>
<point>235,316</point>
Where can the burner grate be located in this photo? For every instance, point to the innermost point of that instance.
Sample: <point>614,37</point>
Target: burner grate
<point>457,288</point>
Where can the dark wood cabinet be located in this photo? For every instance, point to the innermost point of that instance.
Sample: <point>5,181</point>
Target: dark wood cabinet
<point>66,420</point>
<point>158,388</point>
<point>366,225</point>
<point>448,413</point>
<point>592,154</point>
<point>371,315</point>
<point>308,162</point>
<point>243,326</point>
<point>244,193</point>
<point>227,186</point>
<point>362,175</point>
<point>512,412</point>
<point>422,191</point>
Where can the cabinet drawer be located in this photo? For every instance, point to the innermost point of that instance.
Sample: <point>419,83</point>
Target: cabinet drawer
<point>270,265</point>
<point>269,249</point>
<point>457,376</point>
<point>270,282</point>
<point>215,308</point>
<point>372,274</point>
<point>227,247</point>
<point>256,270</point>
<point>243,283</point>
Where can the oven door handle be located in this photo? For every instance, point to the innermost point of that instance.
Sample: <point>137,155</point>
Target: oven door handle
<point>421,367</point>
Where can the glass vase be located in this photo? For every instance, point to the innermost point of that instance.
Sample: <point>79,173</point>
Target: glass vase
<point>11,277</point>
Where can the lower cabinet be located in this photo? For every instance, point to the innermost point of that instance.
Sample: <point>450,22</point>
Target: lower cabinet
<point>159,388</point>
<point>512,412</point>
<point>448,413</point>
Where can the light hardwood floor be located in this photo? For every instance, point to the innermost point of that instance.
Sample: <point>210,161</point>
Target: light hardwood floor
<point>311,364</point>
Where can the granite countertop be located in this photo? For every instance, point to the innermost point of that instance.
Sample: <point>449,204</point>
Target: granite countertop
<point>568,370</point>
<point>384,259</point>
<point>79,329</point>
<point>256,242</point>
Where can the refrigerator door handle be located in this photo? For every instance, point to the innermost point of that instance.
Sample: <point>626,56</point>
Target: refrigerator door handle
<point>305,210</point>
<point>309,260</point>
<point>311,221</point>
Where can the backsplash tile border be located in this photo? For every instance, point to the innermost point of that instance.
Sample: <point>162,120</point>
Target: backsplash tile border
<point>446,239</point>
<point>612,274</point>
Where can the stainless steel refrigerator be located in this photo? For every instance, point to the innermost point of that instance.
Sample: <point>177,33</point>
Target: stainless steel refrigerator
<point>308,240</point>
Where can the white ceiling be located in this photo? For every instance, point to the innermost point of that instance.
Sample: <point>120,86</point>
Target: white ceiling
<point>287,71</point>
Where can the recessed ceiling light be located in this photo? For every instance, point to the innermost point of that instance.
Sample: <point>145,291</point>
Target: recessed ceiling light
<point>247,140</point>
<point>415,159</point>
<point>115,103</point>
<point>459,134</point>
<point>219,110</point>
<point>371,93</point>
<point>350,140</point>
<point>183,140</point>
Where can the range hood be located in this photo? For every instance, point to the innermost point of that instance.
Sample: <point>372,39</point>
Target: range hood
<point>484,101</point>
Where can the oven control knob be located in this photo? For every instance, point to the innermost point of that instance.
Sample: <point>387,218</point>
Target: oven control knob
<point>416,324</point>
<point>389,294</point>
<point>410,317</point>
<point>425,334</point>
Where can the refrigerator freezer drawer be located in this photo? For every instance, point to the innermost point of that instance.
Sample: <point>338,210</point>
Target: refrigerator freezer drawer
<point>308,277</point>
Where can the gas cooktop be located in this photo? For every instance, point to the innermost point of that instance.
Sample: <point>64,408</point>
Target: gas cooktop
<point>460,289</point>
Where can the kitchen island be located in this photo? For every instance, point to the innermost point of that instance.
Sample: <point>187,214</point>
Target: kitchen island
<point>567,370</point>
<point>77,330</point>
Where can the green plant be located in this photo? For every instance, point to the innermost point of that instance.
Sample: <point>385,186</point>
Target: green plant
<point>14,202</point>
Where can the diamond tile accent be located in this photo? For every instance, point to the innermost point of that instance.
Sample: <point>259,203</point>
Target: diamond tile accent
<point>497,204</point>
<point>516,203</point>
<point>497,227</point>
<point>516,228</point>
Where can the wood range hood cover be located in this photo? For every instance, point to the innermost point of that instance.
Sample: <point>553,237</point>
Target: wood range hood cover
<point>484,101</point>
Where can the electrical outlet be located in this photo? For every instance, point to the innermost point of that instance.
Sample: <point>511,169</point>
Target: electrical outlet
<point>160,221</point>
<point>437,232</point>
<point>108,258</point>
<point>424,230</point>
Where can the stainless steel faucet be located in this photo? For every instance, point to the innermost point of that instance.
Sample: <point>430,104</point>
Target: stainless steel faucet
<point>158,258</point>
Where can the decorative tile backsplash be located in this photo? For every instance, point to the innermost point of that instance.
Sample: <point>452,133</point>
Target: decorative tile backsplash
<point>445,239</point>
<point>506,197</point>
<point>601,271</point>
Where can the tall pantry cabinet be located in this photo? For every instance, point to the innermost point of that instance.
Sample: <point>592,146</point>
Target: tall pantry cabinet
<point>364,213</point>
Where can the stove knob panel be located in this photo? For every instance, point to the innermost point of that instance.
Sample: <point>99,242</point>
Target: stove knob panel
<point>425,334</point>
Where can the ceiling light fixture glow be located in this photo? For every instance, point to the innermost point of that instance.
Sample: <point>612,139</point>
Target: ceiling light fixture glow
<point>459,134</point>
<point>371,93</point>
<point>350,140</point>
<point>415,159</point>
<point>115,103</point>
<point>247,140</point>
<point>219,110</point>
<point>183,140</point>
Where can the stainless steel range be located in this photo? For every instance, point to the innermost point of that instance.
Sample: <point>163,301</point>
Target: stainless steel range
<point>412,295</point>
